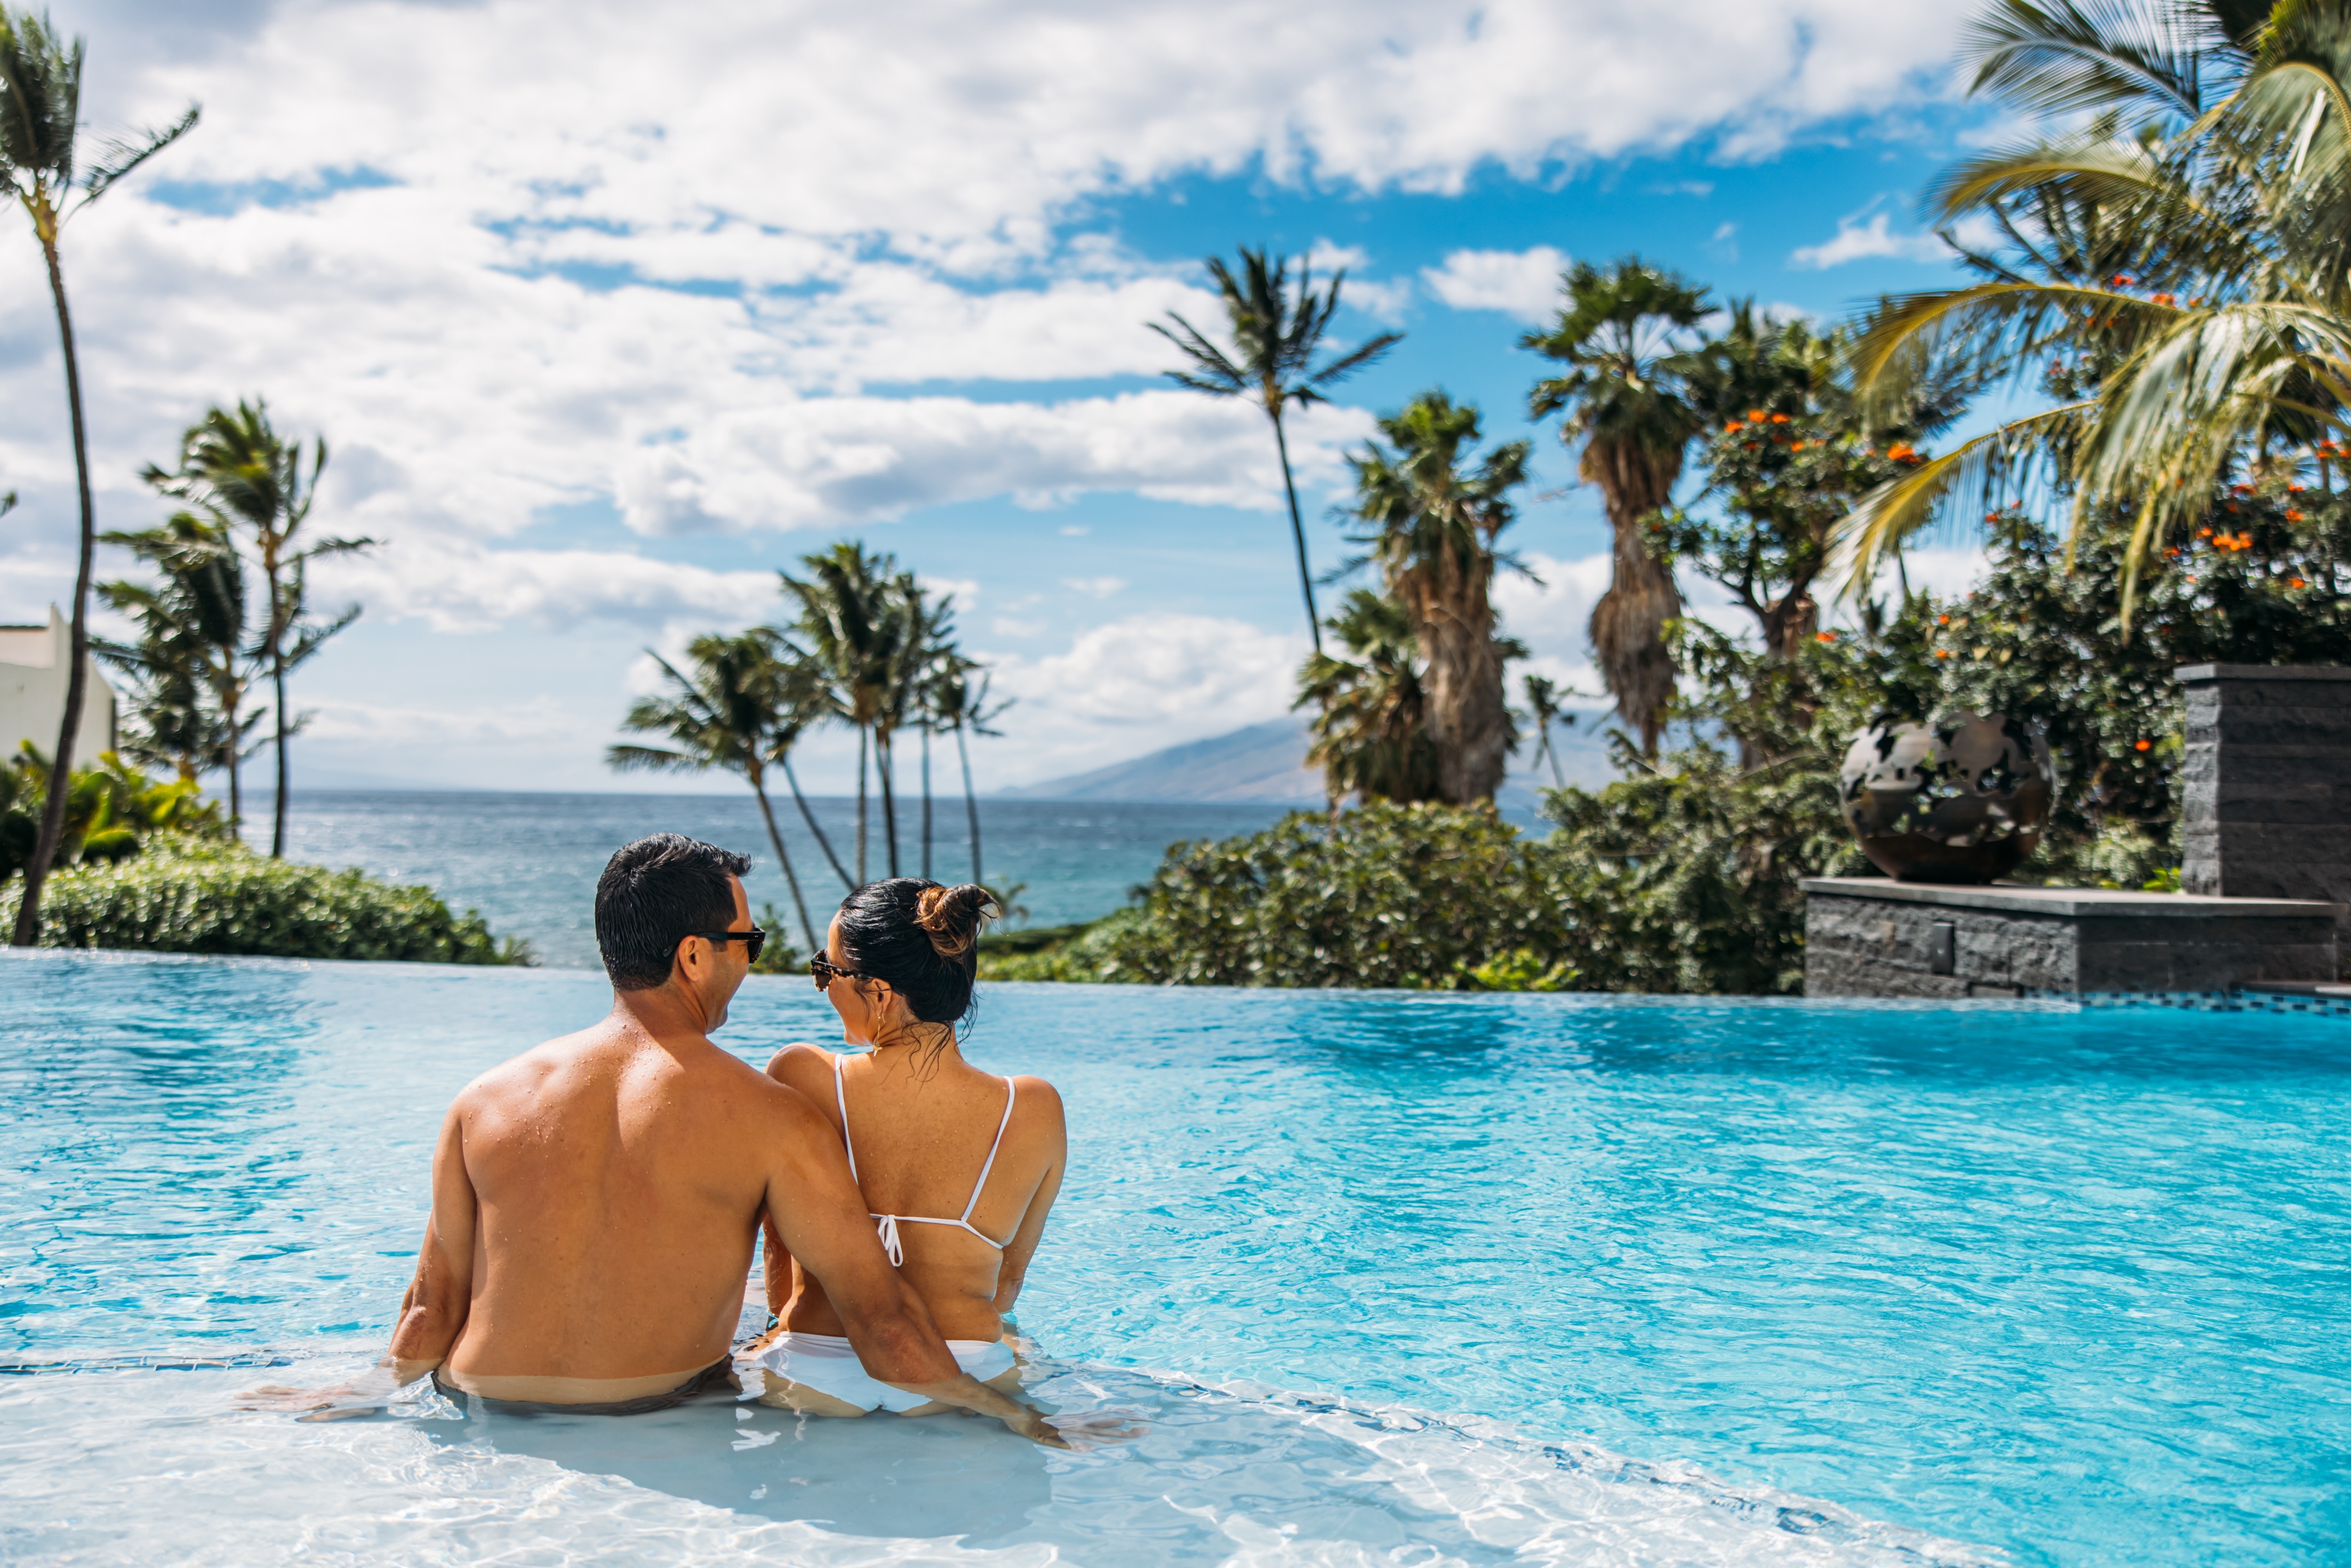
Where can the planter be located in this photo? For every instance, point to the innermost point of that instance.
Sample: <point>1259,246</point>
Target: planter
<point>1959,801</point>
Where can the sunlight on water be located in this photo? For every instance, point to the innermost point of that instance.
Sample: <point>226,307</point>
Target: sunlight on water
<point>1392,1279</point>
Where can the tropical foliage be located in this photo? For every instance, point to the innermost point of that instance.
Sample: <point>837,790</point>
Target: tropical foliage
<point>187,896</point>
<point>110,811</point>
<point>2171,263</point>
<point>41,164</point>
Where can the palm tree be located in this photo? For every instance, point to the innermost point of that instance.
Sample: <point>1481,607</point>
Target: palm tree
<point>247,477</point>
<point>2171,262</point>
<point>191,653</point>
<point>960,706</point>
<point>1542,703</point>
<point>803,700</point>
<point>1370,737</point>
<point>1434,521</point>
<point>722,715</point>
<point>856,625</point>
<point>40,124</point>
<point>941,664</point>
<point>1625,396</point>
<point>1275,338</point>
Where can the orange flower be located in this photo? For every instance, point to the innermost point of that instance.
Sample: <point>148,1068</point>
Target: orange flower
<point>2293,517</point>
<point>2160,299</point>
<point>1779,419</point>
<point>2145,746</point>
<point>1756,414</point>
<point>1942,652</point>
<point>1902,452</point>
<point>2295,582</point>
<point>1733,428</point>
<point>1942,620</point>
<point>2203,533</point>
<point>1823,636</point>
<point>2120,280</point>
<point>2293,489</point>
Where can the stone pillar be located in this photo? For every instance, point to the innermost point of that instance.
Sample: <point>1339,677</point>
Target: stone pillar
<point>2266,783</point>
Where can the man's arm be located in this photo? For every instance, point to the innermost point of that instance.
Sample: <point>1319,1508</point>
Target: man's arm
<point>433,1310</point>
<point>820,1215</point>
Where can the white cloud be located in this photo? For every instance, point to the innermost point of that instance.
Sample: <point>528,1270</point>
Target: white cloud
<point>1524,283</point>
<point>456,586</point>
<point>1138,683</point>
<point>1095,587</point>
<point>1862,242</point>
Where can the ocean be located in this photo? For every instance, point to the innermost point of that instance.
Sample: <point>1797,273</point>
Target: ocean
<point>529,862</point>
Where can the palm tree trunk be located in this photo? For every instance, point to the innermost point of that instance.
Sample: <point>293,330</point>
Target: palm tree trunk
<point>861,805</point>
<point>884,748</point>
<point>970,805</point>
<point>1297,533</point>
<point>810,818</point>
<point>926,802</point>
<point>1628,623</point>
<point>784,858</point>
<point>277,683</point>
<point>1467,716</point>
<point>53,810</point>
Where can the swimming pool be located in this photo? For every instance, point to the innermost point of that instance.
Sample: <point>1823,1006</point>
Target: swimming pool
<point>1392,1279</point>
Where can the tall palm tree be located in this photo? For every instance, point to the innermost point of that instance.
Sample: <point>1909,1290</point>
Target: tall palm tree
<point>247,477</point>
<point>2172,261</point>
<point>1275,338</point>
<point>1433,520</point>
<point>192,640</point>
<point>1371,735</point>
<point>855,622</point>
<point>1626,394</point>
<point>940,662</point>
<point>803,700</point>
<point>40,126</point>
<point>1543,704</point>
<point>960,706</point>
<point>721,715</point>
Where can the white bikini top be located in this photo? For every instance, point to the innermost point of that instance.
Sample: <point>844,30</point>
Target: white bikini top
<point>886,1225</point>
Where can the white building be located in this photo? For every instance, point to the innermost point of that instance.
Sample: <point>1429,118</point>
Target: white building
<point>33,665</point>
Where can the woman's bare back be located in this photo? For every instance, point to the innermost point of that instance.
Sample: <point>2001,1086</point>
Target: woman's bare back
<point>920,1128</point>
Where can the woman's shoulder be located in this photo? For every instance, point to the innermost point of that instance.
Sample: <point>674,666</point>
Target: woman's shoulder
<point>799,1064</point>
<point>1036,1097</point>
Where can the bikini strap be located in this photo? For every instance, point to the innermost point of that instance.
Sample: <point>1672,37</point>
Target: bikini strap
<point>841,1098</point>
<point>981,1185</point>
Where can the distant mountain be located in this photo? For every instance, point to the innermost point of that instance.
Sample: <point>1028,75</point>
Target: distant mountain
<point>1266,764</point>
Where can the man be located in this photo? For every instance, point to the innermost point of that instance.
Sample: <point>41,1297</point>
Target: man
<point>595,1200</point>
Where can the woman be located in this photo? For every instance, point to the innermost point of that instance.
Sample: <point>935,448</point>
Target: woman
<point>959,1167</point>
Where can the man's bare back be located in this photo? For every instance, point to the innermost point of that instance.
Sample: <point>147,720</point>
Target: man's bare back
<point>595,1200</point>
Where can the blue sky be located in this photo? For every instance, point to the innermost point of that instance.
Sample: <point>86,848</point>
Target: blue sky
<point>607,324</point>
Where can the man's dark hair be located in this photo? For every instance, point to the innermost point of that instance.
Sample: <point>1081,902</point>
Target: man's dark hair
<point>653,894</point>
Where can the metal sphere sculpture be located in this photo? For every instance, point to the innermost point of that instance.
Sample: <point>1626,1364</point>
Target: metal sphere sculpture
<point>1959,801</point>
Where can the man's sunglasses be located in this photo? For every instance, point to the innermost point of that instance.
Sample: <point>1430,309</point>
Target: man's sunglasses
<point>754,939</point>
<point>826,970</point>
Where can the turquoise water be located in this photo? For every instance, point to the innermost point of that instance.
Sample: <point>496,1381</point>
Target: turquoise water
<point>1391,1278</point>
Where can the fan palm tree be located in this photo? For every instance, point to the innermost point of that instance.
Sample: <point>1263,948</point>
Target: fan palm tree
<point>855,624</point>
<point>1371,735</point>
<point>1433,520</point>
<point>40,129</point>
<point>723,714</point>
<point>1276,337</point>
<point>2174,266</point>
<point>248,477</point>
<point>1543,704</point>
<point>190,655</point>
<point>1625,391</point>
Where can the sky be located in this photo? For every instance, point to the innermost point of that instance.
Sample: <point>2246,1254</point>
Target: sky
<point>608,314</point>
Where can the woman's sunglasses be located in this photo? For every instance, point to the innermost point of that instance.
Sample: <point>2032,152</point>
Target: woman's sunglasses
<point>826,971</point>
<point>754,939</point>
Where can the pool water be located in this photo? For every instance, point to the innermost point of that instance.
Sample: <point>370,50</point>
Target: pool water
<point>1389,1279</point>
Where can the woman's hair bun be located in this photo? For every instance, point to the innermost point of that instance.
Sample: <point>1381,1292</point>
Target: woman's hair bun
<point>953,915</point>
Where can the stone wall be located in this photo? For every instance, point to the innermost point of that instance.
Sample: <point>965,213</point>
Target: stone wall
<point>1868,937</point>
<point>2266,782</point>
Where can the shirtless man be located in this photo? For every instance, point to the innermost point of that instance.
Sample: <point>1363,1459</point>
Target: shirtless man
<point>595,1200</point>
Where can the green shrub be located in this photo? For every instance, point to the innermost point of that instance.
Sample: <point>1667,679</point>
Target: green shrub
<point>196,896</point>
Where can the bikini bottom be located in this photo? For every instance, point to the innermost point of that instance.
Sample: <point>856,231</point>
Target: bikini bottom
<point>827,1364</point>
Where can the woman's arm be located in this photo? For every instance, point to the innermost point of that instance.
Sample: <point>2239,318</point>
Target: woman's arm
<point>1013,1269</point>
